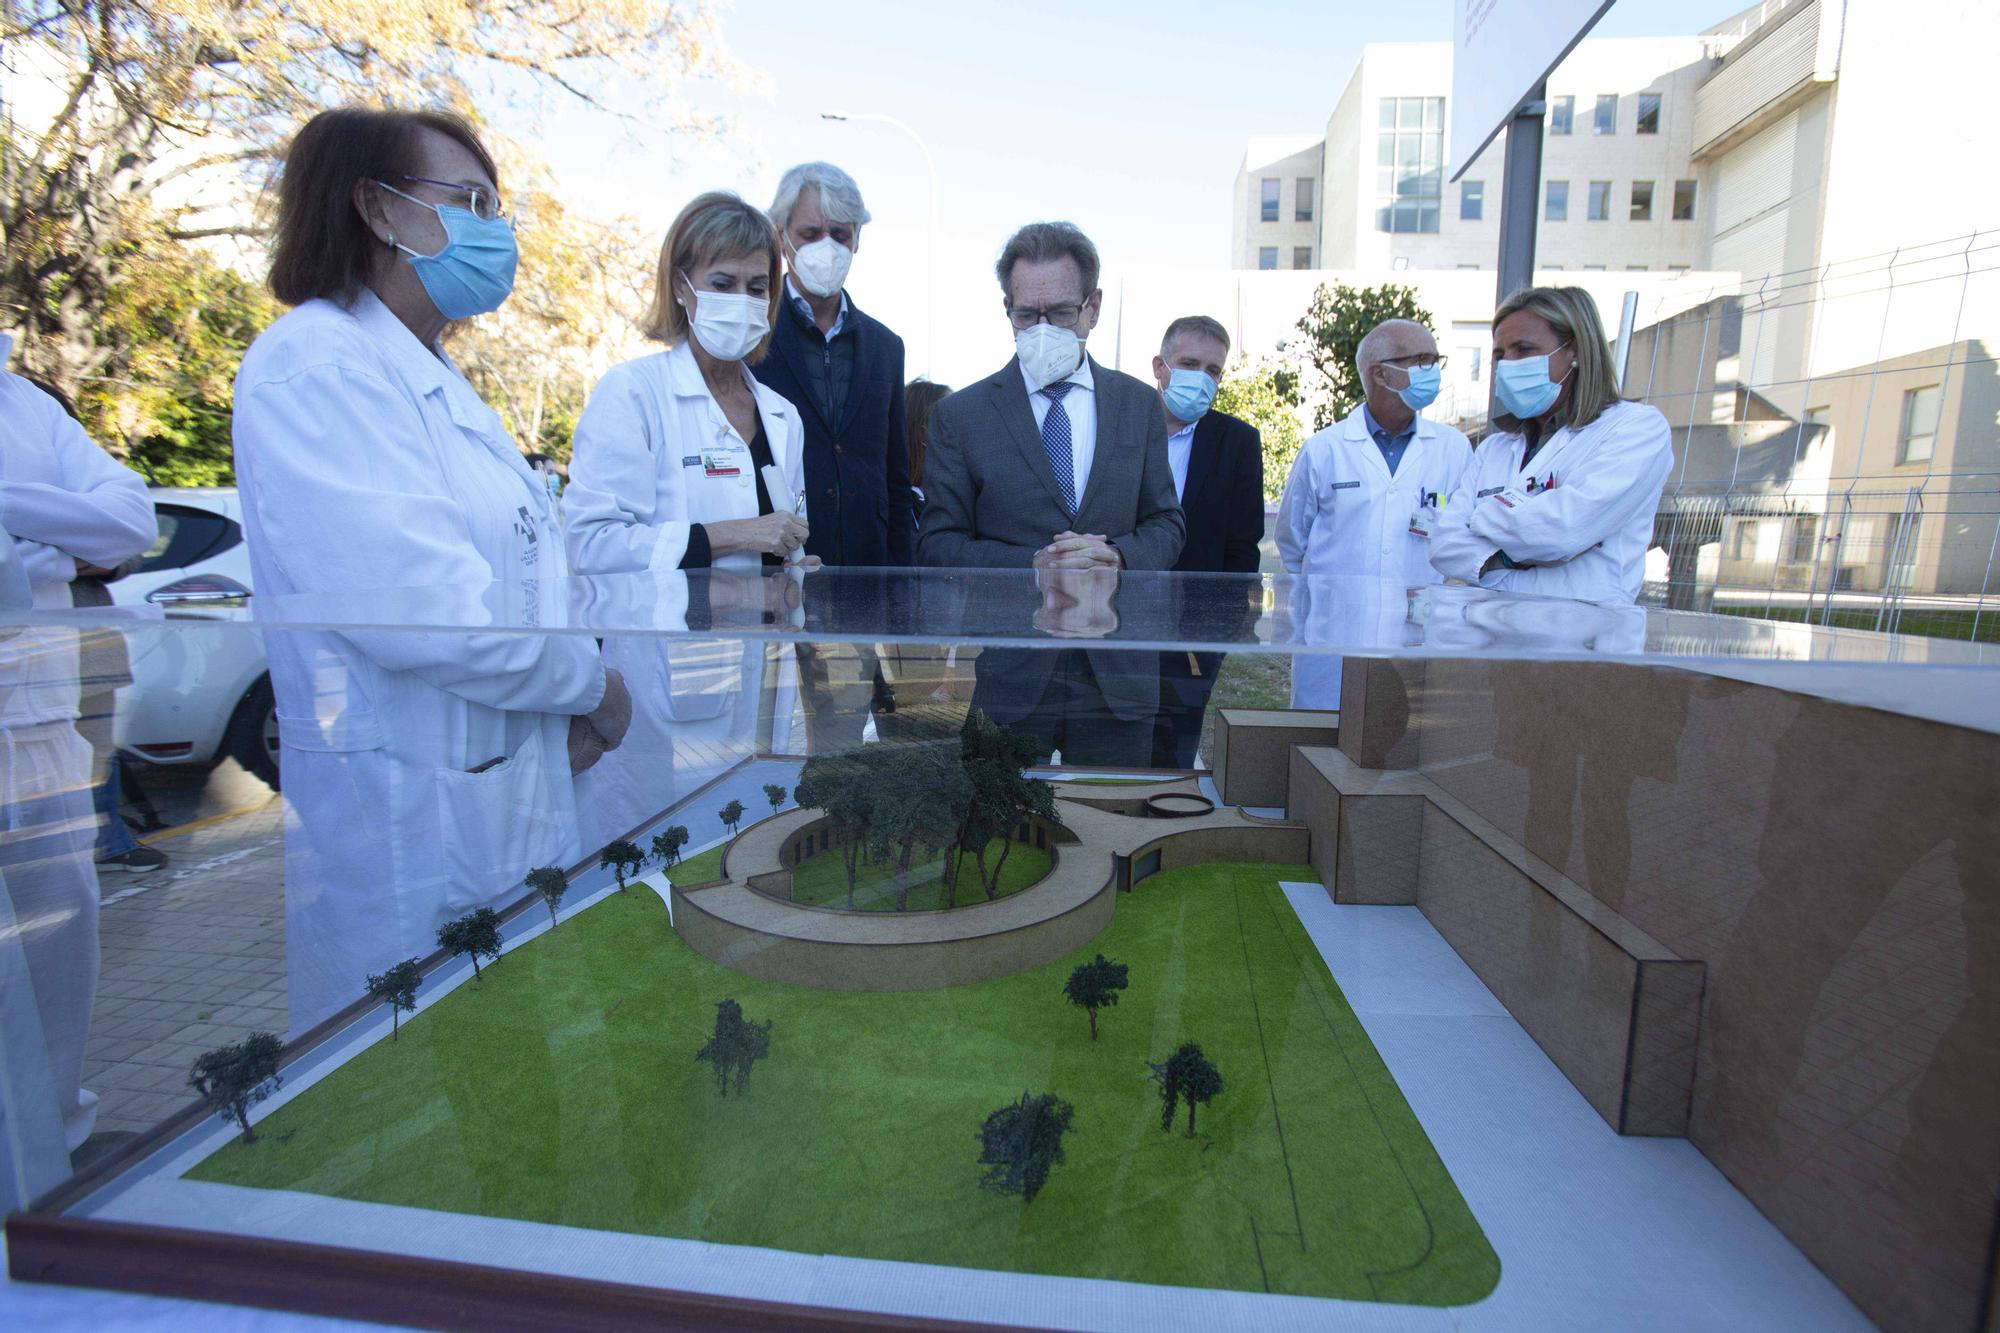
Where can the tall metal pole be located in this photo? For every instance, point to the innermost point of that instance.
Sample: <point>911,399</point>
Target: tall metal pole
<point>930,258</point>
<point>1520,190</point>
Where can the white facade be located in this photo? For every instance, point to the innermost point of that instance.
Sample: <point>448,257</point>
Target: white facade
<point>1272,235</point>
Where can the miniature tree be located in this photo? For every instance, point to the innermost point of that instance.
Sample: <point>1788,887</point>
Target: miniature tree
<point>775,795</point>
<point>1002,795</point>
<point>1095,985</point>
<point>1021,1141</point>
<point>837,785</point>
<point>916,797</point>
<point>731,815</point>
<point>1185,1074</point>
<point>397,988</point>
<point>233,1078</point>
<point>734,1046</point>
<point>552,884</point>
<point>621,857</point>
<point>473,934</point>
<point>667,844</point>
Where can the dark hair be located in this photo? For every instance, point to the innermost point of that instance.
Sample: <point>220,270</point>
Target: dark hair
<point>1039,242</point>
<point>918,400</point>
<point>323,246</point>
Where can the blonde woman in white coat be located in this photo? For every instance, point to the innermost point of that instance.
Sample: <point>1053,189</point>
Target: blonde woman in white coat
<point>683,461</point>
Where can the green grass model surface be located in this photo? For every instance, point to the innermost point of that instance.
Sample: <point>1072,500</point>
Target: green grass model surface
<point>701,868</point>
<point>564,1089</point>
<point>821,880</point>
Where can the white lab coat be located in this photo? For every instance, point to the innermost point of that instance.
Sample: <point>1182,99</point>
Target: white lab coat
<point>367,462</point>
<point>1583,529</point>
<point>1361,616</point>
<point>642,473</point>
<point>1344,513</point>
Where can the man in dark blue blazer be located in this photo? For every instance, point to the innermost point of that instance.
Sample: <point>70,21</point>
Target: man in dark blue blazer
<point>843,370</point>
<point>1218,466</point>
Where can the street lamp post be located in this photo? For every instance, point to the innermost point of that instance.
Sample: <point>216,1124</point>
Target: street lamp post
<point>930,249</point>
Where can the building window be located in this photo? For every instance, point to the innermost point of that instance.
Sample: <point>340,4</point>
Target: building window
<point>1636,268</point>
<point>1649,113</point>
<point>1745,546</point>
<point>1677,268</point>
<point>1593,268</point>
<point>1302,256</point>
<point>1468,268</point>
<point>1267,256</point>
<point>1920,422</point>
<point>1684,201</point>
<point>1562,115</point>
<point>1269,210</point>
<point>1642,201</point>
<point>1471,201</point>
<point>1605,119</point>
<point>1409,164</point>
<point>1302,209</point>
<point>1805,537</point>
<point>1555,202</point>
<point>1600,201</point>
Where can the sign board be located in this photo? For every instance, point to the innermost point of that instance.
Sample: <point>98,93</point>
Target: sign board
<point>1500,49</point>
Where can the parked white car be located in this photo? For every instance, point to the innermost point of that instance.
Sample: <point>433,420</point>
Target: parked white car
<point>197,698</point>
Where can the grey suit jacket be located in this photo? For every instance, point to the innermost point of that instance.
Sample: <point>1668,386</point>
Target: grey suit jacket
<point>991,499</point>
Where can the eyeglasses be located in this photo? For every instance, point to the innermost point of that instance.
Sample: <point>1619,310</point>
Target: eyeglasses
<point>1421,362</point>
<point>1062,316</point>
<point>484,203</point>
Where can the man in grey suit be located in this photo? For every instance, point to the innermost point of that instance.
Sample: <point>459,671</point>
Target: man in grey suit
<point>1056,464</point>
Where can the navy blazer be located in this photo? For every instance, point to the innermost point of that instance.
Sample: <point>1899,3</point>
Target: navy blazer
<point>1224,498</point>
<point>857,469</point>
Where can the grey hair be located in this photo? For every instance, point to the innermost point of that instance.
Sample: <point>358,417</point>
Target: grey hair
<point>1039,242</point>
<point>1200,325</point>
<point>1373,349</point>
<point>839,196</point>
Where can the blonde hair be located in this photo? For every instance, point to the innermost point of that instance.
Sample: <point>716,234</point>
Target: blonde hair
<point>714,226</point>
<point>1593,383</point>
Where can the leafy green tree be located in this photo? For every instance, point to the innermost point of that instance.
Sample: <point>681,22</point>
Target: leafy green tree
<point>1185,1075</point>
<point>233,1078</point>
<point>1334,324</point>
<point>1021,1142</point>
<point>1267,396</point>
<point>552,884</point>
<point>731,815</point>
<point>917,794</point>
<point>1001,796</point>
<point>397,988</point>
<point>775,795</point>
<point>475,933</point>
<point>837,785</point>
<point>1095,985</point>
<point>668,842</point>
<point>734,1046</point>
<point>621,857</point>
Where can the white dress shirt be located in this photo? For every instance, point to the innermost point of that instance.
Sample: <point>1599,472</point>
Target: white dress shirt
<point>1081,404</point>
<point>1180,448</point>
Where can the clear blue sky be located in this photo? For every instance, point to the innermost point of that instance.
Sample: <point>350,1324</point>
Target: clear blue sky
<point>1126,118</point>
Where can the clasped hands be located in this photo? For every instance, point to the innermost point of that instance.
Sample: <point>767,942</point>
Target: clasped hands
<point>1079,550</point>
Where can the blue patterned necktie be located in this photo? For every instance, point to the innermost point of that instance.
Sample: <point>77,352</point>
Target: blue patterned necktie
<point>1056,442</point>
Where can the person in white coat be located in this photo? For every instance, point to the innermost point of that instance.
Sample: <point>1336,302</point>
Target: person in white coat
<point>1364,493</point>
<point>682,460</point>
<point>1560,498</point>
<point>425,773</point>
<point>65,504</point>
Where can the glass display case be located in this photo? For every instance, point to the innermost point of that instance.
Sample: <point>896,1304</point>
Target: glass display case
<point>953,948</point>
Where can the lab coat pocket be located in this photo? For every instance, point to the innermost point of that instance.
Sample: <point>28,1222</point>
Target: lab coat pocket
<point>498,824</point>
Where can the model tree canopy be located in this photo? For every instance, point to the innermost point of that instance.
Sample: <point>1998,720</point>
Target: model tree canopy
<point>916,795</point>
<point>397,988</point>
<point>233,1078</point>
<point>1186,1074</point>
<point>1002,795</point>
<point>734,1046</point>
<point>775,794</point>
<point>475,933</point>
<point>731,815</point>
<point>552,884</point>
<point>1021,1142</point>
<point>668,842</point>
<point>1095,985</point>
<point>621,857</point>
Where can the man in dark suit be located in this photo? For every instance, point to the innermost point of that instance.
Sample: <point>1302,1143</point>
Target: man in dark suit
<point>1056,464</point>
<point>1218,467</point>
<point>843,370</point>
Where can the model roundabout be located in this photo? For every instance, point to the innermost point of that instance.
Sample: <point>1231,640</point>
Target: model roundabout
<point>1123,1059</point>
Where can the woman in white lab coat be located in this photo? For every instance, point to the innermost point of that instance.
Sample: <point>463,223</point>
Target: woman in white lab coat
<point>1559,500</point>
<point>426,773</point>
<point>683,461</point>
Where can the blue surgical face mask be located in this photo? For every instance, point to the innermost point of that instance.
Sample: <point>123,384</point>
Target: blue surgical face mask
<point>1422,390</point>
<point>1188,394</point>
<point>1524,388</point>
<point>474,273</point>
